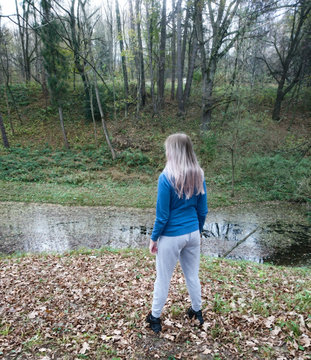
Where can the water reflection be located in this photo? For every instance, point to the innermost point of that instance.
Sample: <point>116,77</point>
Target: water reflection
<point>47,227</point>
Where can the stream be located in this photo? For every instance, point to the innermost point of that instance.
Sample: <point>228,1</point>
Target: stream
<point>283,236</point>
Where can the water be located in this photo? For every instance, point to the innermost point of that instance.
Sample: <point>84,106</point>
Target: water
<point>283,235</point>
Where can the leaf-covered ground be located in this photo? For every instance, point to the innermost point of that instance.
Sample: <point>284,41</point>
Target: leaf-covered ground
<point>93,305</point>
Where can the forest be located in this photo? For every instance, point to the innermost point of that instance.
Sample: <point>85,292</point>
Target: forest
<point>109,82</point>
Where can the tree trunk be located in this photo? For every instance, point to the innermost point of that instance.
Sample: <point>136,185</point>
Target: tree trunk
<point>24,38</point>
<point>124,68</point>
<point>9,111</point>
<point>150,49</point>
<point>134,50</point>
<point>142,84</point>
<point>161,79</point>
<point>92,112</point>
<point>208,94</point>
<point>277,105</point>
<point>3,133</point>
<point>180,98</point>
<point>103,121</point>
<point>61,118</point>
<point>173,44</point>
<point>184,42</point>
<point>195,47</point>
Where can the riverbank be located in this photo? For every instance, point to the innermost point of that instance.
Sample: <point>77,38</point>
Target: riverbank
<point>92,305</point>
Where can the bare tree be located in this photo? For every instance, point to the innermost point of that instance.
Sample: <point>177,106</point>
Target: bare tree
<point>24,34</point>
<point>288,67</point>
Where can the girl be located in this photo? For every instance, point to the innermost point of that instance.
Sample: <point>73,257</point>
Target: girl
<point>180,215</point>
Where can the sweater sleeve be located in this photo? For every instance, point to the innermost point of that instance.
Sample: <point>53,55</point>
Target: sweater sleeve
<point>202,209</point>
<point>163,207</point>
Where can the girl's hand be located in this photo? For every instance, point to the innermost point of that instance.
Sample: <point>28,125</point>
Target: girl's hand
<point>153,248</point>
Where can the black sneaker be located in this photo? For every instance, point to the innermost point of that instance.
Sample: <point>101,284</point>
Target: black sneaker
<point>155,323</point>
<point>197,314</point>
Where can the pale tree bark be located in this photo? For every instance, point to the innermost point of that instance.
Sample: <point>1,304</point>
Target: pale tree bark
<point>142,83</point>
<point>102,116</point>
<point>109,20</point>
<point>184,40</point>
<point>161,76</point>
<point>123,58</point>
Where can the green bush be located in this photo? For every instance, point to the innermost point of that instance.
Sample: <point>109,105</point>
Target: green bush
<point>281,178</point>
<point>134,158</point>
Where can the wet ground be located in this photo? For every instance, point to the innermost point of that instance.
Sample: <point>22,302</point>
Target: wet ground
<point>283,233</point>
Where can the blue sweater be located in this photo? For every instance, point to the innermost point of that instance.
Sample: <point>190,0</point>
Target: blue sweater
<point>175,216</point>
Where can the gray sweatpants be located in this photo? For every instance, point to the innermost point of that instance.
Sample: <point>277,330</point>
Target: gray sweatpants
<point>186,249</point>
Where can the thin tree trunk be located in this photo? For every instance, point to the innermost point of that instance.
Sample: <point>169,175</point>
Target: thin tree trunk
<point>195,47</point>
<point>142,83</point>
<point>9,111</point>
<point>61,118</point>
<point>103,119</point>
<point>150,49</point>
<point>3,133</point>
<point>184,42</point>
<point>123,59</point>
<point>208,94</point>
<point>92,112</point>
<point>199,30</point>
<point>232,82</point>
<point>180,98</point>
<point>134,49</point>
<point>24,41</point>
<point>161,79</point>
<point>173,44</point>
<point>232,171</point>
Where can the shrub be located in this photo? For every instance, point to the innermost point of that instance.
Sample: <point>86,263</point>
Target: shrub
<point>282,178</point>
<point>134,158</point>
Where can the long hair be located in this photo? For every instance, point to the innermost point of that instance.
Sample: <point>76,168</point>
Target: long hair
<point>182,167</point>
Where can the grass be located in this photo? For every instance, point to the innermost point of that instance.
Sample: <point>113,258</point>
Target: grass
<point>101,314</point>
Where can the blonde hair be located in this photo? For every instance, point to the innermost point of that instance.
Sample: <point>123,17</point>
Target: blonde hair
<point>182,168</point>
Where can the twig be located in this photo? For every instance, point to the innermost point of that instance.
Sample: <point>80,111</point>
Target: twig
<point>240,242</point>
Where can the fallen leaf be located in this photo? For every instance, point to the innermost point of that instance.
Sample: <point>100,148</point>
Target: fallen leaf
<point>32,315</point>
<point>269,321</point>
<point>276,331</point>
<point>85,348</point>
<point>305,341</point>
